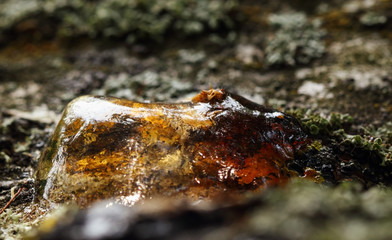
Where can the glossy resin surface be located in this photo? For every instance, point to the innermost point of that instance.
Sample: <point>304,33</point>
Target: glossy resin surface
<point>129,151</point>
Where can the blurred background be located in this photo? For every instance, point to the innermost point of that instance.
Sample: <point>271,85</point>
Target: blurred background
<point>319,56</point>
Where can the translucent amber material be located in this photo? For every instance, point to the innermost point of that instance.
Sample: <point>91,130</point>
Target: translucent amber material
<point>128,151</point>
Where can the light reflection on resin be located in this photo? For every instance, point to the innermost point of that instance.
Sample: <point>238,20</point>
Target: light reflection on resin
<point>109,148</point>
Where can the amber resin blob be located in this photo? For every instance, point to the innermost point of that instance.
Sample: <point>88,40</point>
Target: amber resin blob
<point>129,151</point>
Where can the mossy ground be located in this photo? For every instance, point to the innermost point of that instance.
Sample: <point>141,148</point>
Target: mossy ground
<point>335,64</point>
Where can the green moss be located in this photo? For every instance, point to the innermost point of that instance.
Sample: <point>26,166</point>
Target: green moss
<point>313,129</point>
<point>318,125</point>
<point>384,132</point>
<point>380,139</point>
<point>373,143</point>
<point>317,145</point>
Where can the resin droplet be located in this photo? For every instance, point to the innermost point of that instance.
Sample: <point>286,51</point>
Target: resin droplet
<point>128,151</point>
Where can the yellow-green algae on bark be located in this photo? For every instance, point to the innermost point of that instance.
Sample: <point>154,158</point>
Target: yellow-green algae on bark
<point>128,151</point>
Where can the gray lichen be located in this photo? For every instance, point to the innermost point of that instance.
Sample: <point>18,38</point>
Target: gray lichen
<point>9,218</point>
<point>297,40</point>
<point>372,19</point>
<point>189,56</point>
<point>134,19</point>
<point>146,85</point>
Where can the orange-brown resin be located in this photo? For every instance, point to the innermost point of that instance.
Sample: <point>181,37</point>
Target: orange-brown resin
<point>129,151</point>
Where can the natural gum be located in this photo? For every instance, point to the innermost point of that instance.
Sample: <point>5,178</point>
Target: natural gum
<point>109,148</point>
